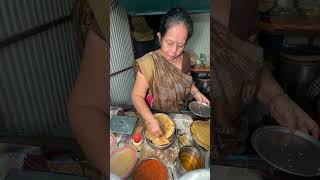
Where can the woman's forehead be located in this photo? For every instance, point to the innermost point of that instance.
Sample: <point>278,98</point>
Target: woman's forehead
<point>177,32</point>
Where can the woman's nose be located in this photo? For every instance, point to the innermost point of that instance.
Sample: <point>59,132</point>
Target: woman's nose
<point>174,49</point>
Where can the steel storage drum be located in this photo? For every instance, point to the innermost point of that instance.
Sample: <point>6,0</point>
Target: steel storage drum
<point>295,153</point>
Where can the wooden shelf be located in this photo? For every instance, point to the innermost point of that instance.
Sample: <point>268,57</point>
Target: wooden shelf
<point>293,24</point>
<point>200,69</point>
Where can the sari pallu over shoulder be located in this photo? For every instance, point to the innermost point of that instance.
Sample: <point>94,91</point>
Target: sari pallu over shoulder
<point>237,66</point>
<point>168,85</point>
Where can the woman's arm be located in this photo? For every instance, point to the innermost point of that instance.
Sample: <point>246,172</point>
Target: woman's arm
<point>138,95</point>
<point>282,108</point>
<point>198,95</point>
<point>269,88</point>
<point>88,103</point>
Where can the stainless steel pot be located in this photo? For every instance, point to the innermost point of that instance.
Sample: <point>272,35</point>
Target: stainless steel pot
<point>204,86</point>
<point>200,75</point>
<point>189,158</point>
<point>295,73</point>
<point>297,69</point>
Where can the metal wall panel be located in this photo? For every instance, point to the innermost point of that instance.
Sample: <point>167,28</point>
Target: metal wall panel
<point>17,16</point>
<point>121,51</point>
<point>121,57</point>
<point>121,88</point>
<point>37,73</point>
<point>200,40</point>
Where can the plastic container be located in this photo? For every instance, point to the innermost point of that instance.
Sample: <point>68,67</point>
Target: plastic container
<point>137,141</point>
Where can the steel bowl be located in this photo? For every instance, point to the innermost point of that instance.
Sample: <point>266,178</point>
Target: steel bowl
<point>171,140</point>
<point>189,158</point>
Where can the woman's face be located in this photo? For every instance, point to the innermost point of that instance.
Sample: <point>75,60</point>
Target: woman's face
<point>174,41</point>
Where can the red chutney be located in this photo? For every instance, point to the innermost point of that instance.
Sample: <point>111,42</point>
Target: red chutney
<point>150,170</point>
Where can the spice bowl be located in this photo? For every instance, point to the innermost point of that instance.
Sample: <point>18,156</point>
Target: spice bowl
<point>160,173</point>
<point>189,158</point>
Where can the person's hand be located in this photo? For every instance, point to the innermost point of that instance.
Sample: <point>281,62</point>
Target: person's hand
<point>289,114</point>
<point>154,127</point>
<point>201,98</point>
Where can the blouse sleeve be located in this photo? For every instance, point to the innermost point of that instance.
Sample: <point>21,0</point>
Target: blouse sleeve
<point>83,21</point>
<point>145,66</point>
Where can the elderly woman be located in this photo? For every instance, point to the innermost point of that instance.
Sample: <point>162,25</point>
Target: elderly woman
<point>162,76</point>
<point>239,75</point>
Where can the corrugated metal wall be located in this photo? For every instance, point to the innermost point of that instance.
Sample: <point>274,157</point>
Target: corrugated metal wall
<point>19,15</point>
<point>200,40</point>
<point>121,57</point>
<point>37,73</point>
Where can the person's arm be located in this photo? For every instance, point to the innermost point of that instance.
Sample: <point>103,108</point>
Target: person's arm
<point>138,95</point>
<point>198,95</point>
<point>269,88</point>
<point>282,108</point>
<point>88,103</point>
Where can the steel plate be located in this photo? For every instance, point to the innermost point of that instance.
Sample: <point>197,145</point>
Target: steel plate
<point>199,109</point>
<point>295,153</point>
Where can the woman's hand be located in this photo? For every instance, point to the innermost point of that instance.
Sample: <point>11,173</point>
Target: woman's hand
<point>201,98</point>
<point>198,95</point>
<point>154,127</point>
<point>289,114</point>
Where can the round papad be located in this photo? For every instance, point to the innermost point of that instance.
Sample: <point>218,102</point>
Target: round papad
<point>201,133</point>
